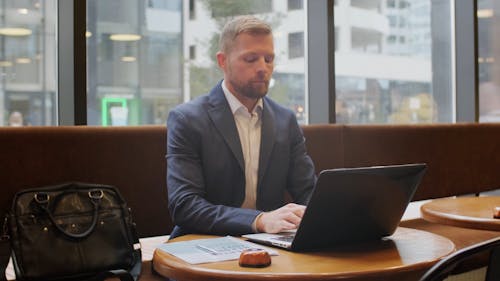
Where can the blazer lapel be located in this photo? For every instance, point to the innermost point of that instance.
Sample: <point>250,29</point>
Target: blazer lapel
<point>267,139</point>
<point>223,119</point>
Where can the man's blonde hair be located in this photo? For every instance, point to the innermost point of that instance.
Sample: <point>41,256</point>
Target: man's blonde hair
<point>238,25</point>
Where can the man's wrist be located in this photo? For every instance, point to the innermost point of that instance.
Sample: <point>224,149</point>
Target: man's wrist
<point>256,223</point>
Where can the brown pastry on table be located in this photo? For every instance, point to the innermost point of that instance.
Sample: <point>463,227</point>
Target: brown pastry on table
<point>254,258</point>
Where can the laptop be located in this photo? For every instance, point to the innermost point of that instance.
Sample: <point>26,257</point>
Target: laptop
<point>351,205</point>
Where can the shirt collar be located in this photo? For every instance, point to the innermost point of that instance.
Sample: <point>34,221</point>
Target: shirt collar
<point>236,105</point>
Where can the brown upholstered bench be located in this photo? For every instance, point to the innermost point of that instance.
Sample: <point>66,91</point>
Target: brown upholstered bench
<point>461,159</point>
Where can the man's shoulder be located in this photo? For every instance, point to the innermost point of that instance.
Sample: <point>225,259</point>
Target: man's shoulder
<point>193,106</point>
<point>192,114</point>
<point>277,108</point>
<point>198,105</point>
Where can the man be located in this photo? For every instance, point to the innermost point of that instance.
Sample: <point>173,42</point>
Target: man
<point>234,153</point>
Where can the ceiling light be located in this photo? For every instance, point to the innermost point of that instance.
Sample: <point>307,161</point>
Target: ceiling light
<point>485,13</point>
<point>23,60</point>
<point>128,59</point>
<point>125,37</point>
<point>15,31</point>
<point>88,34</point>
<point>22,11</point>
<point>5,63</point>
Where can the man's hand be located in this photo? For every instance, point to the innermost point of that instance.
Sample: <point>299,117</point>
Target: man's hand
<point>285,218</point>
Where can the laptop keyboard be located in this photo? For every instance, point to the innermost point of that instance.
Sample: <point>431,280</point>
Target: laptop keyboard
<point>285,238</point>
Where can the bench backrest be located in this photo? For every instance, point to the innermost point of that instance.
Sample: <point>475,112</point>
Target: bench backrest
<point>461,158</point>
<point>130,158</point>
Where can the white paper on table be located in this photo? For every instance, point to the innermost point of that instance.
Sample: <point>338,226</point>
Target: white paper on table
<point>207,250</point>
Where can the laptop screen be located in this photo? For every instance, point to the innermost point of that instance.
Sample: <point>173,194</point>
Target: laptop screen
<point>357,204</point>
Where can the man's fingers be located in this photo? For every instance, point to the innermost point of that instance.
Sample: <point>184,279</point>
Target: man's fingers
<point>285,218</point>
<point>285,225</point>
<point>293,218</point>
<point>296,209</point>
<point>299,211</point>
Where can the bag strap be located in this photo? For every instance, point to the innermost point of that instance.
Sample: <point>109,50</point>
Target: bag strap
<point>4,250</point>
<point>4,257</point>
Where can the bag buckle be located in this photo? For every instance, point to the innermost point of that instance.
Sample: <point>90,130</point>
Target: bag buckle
<point>96,194</point>
<point>41,197</point>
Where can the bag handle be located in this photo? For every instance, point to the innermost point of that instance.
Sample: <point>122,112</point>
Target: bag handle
<point>95,196</point>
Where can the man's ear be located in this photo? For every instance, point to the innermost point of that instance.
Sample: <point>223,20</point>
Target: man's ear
<point>221,60</point>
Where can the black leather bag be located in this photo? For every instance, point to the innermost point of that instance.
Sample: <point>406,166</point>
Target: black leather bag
<point>73,231</point>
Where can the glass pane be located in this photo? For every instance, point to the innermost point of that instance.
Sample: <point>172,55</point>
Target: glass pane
<point>488,59</point>
<point>170,58</point>
<point>27,63</point>
<point>393,61</point>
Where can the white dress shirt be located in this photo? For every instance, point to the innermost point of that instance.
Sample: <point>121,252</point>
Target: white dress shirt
<point>249,126</point>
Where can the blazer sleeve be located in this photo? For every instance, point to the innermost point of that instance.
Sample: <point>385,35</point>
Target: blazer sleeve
<point>301,175</point>
<point>187,191</point>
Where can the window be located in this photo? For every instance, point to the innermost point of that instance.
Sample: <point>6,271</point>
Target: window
<point>192,52</point>
<point>393,81</point>
<point>229,8</point>
<point>27,63</point>
<point>404,4</point>
<point>402,22</point>
<point>295,5</point>
<point>143,60</point>
<point>391,39</point>
<point>488,60</point>
<point>133,65</point>
<point>296,45</point>
<point>395,60</point>
<point>192,10</point>
<point>393,20</point>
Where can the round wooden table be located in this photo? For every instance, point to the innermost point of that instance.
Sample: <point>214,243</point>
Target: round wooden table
<point>469,212</point>
<point>403,256</point>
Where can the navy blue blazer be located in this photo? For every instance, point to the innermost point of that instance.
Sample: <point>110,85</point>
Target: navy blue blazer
<point>206,171</point>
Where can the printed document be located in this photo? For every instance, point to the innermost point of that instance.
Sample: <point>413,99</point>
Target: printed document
<point>211,249</point>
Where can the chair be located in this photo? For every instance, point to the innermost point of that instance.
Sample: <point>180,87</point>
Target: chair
<point>445,267</point>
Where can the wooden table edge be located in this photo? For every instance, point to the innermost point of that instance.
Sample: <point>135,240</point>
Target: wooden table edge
<point>202,274</point>
<point>455,220</point>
